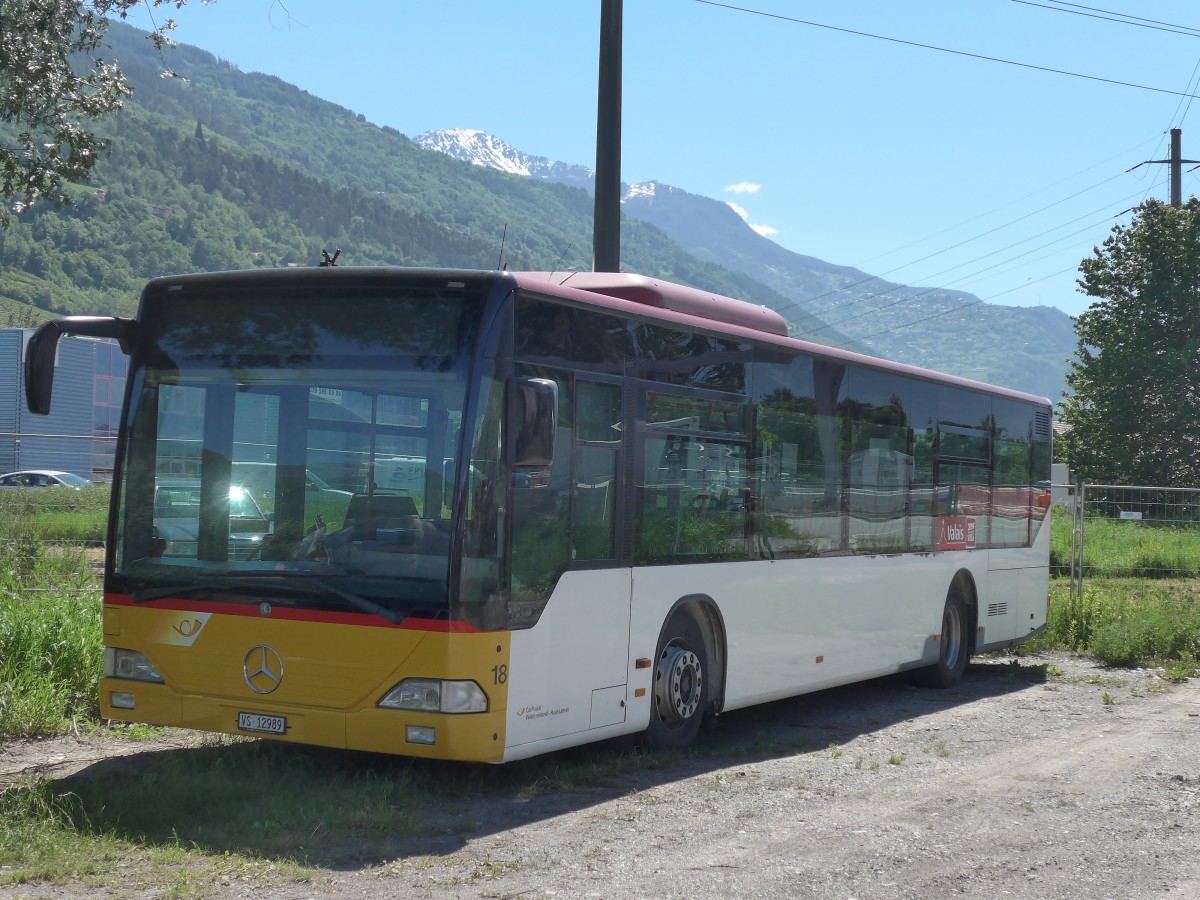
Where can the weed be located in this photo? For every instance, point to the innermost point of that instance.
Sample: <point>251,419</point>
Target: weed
<point>897,759</point>
<point>790,783</point>
<point>51,655</point>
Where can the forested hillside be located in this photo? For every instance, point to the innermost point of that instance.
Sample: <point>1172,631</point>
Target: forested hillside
<point>233,170</point>
<point>223,169</point>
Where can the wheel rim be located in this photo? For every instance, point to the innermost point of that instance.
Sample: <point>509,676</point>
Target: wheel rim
<point>679,684</point>
<point>952,636</point>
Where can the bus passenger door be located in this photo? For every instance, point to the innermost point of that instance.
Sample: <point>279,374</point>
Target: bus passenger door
<point>570,667</point>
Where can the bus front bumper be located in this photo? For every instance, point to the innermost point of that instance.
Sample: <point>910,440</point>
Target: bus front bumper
<point>474,737</point>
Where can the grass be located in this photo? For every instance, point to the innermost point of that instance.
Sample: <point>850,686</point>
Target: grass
<point>269,811</point>
<point>259,812</point>
<point>1127,622</point>
<point>51,650</point>
<point>1113,548</point>
<point>54,516</point>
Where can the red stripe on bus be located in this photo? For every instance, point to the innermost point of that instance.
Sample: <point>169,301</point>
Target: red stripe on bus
<point>412,623</point>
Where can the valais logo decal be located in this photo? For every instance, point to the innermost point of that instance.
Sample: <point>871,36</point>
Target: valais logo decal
<point>956,533</point>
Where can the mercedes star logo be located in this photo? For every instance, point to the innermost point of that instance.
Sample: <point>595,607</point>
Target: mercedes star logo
<point>263,669</point>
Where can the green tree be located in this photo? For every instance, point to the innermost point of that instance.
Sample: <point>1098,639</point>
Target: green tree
<point>54,84</point>
<point>1134,416</point>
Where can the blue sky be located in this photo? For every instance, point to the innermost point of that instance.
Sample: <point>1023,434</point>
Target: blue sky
<point>824,122</point>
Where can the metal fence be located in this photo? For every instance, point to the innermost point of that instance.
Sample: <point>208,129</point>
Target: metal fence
<point>1131,531</point>
<point>1114,531</point>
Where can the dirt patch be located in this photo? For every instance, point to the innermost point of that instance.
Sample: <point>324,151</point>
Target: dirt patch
<point>1051,778</point>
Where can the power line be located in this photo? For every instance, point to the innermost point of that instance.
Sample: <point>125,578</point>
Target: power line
<point>947,312</point>
<point>909,297</point>
<point>995,59</point>
<point>967,305</point>
<point>808,315</point>
<point>809,300</point>
<point>1125,20</point>
<point>1186,95</point>
<point>1014,202</point>
<point>1124,15</point>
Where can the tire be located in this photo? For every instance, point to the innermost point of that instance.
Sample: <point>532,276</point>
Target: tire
<point>953,648</point>
<point>681,686</point>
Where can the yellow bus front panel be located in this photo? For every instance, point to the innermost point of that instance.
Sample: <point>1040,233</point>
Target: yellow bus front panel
<point>305,677</point>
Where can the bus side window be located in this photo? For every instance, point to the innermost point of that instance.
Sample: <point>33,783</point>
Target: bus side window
<point>880,464</point>
<point>799,437</point>
<point>594,495</point>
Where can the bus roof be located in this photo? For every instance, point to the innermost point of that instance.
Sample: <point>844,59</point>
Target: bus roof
<point>618,291</point>
<point>699,304</point>
<point>665,295</point>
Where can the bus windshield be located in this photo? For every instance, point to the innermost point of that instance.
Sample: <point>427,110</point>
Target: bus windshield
<point>296,444</point>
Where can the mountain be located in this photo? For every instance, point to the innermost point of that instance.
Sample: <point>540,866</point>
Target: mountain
<point>950,331</point>
<point>481,149</point>
<point>224,169</point>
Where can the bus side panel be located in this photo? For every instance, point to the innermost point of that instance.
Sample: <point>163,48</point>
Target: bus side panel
<point>1016,606</point>
<point>801,625</point>
<point>569,671</point>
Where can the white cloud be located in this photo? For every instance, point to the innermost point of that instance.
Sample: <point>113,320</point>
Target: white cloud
<point>764,230</point>
<point>744,187</point>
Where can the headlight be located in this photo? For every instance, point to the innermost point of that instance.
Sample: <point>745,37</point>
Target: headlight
<point>435,695</point>
<point>129,664</point>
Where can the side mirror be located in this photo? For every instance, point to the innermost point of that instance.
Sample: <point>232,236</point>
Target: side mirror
<point>530,423</point>
<point>39,353</point>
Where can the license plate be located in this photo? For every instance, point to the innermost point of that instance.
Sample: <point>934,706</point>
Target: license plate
<point>248,721</point>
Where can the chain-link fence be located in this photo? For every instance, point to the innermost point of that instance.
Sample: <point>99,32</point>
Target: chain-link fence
<point>1124,531</point>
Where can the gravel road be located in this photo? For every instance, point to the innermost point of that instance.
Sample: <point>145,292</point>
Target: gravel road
<point>1050,777</point>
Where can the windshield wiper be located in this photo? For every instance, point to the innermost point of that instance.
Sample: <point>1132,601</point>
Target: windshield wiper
<point>359,602</point>
<point>226,580</point>
<point>246,580</point>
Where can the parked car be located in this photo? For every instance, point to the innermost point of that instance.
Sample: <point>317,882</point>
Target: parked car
<point>177,520</point>
<point>43,478</point>
<point>319,498</point>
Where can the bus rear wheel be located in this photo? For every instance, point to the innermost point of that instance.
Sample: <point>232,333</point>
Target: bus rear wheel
<point>953,647</point>
<point>680,686</point>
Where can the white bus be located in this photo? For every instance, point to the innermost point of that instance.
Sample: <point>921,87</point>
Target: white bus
<point>620,506</point>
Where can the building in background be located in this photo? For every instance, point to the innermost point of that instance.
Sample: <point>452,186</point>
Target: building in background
<point>80,433</point>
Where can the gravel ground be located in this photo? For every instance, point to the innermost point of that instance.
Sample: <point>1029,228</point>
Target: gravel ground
<point>1051,778</point>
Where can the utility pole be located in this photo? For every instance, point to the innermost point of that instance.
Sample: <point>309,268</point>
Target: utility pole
<point>1176,162</point>
<point>606,225</point>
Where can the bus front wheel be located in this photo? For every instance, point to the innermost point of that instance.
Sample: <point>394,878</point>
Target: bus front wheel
<point>953,646</point>
<point>681,690</point>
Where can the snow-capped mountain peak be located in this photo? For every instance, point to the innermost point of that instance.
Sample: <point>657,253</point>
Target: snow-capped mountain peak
<point>645,189</point>
<point>483,149</point>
